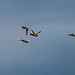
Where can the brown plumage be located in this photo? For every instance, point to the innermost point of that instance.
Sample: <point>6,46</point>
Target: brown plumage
<point>25,29</point>
<point>34,34</point>
<point>71,34</point>
<point>25,41</point>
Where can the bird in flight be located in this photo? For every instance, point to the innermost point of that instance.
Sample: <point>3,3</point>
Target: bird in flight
<point>71,34</point>
<point>34,34</point>
<point>25,41</point>
<point>25,29</point>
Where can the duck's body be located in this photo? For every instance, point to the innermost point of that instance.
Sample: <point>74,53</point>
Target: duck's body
<point>25,29</point>
<point>71,34</point>
<point>25,41</point>
<point>34,34</point>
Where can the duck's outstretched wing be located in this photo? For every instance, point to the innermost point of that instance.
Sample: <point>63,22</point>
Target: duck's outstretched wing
<point>27,31</point>
<point>32,31</point>
<point>38,32</point>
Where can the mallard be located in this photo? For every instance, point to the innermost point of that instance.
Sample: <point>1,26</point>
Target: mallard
<point>71,34</point>
<point>25,29</point>
<point>34,34</point>
<point>25,41</point>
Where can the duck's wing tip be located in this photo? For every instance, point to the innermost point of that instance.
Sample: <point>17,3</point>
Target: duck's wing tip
<point>38,32</point>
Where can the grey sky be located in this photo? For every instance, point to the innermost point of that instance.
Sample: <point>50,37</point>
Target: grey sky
<point>52,52</point>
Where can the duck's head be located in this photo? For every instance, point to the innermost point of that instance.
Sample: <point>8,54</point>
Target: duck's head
<point>70,34</point>
<point>31,34</point>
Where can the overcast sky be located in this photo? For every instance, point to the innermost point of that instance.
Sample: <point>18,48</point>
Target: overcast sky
<point>52,52</point>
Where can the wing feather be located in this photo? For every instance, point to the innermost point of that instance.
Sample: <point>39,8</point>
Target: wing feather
<point>38,32</point>
<point>32,31</point>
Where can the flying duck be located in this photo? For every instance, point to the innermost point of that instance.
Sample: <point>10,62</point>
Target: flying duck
<point>71,34</point>
<point>25,29</point>
<point>25,41</point>
<point>34,34</point>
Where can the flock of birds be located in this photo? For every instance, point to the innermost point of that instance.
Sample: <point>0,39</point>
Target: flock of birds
<point>33,34</point>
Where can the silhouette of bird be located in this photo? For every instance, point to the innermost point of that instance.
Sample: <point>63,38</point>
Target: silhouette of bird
<point>25,29</point>
<point>25,41</point>
<point>34,34</point>
<point>71,34</point>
